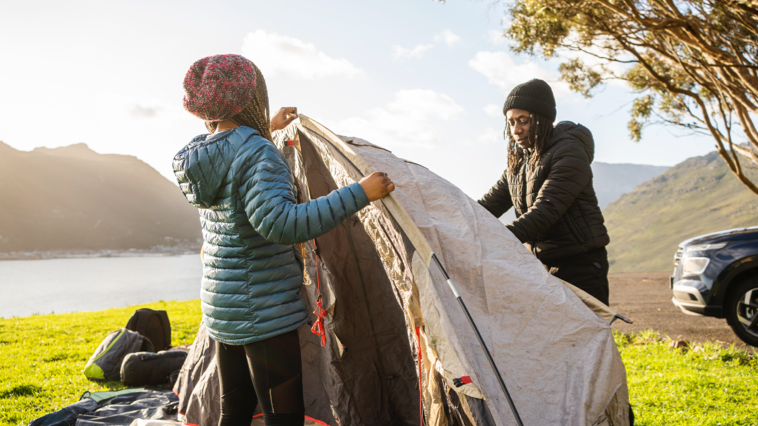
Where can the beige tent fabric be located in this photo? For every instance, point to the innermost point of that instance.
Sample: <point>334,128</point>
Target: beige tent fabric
<point>557,357</point>
<point>551,342</point>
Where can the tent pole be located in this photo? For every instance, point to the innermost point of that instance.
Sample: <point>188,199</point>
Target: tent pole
<point>481,340</point>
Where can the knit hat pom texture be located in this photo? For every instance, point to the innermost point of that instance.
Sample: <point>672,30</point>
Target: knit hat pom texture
<point>219,87</point>
<point>534,96</point>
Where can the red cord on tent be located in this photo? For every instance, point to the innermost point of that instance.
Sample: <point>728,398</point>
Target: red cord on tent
<point>420,389</point>
<point>320,312</point>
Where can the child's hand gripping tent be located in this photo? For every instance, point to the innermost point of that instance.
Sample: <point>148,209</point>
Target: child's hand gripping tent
<point>555,352</point>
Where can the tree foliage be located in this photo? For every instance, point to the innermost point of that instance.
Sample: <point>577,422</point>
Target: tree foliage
<point>692,62</point>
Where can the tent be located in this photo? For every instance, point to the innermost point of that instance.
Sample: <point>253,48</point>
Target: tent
<point>397,343</point>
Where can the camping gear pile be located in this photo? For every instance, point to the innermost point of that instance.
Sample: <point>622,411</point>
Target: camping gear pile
<point>128,355</point>
<point>139,354</point>
<point>390,342</point>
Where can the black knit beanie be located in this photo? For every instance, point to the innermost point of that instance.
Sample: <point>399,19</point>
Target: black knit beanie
<point>534,96</point>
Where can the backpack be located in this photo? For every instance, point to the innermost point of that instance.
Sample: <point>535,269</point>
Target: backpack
<point>151,369</point>
<point>152,324</point>
<point>105,363</point>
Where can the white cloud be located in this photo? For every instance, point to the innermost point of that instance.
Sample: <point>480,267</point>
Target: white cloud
<point>141,109</point>
<point>504,73</point>
<point>494,110</point>
<point>496,37</point>
<point>402,53</point>
<point>490,135</point>
<point>153,108</point>
<point>412,117</point>
<point>448,37</point>
<point>590,58</point>
<point>282,55</point>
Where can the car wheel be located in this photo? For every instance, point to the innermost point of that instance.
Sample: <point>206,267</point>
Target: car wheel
<point>742,311</point>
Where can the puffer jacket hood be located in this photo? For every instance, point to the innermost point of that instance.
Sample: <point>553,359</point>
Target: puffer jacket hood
<point>569,130</point>
<point>203,165</point>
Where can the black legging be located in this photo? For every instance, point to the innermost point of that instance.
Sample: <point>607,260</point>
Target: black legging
<point>268,372</point>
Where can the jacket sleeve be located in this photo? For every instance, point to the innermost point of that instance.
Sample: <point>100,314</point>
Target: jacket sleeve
<point>569,174</point>
<point>498,200</point>
<point>265,188</point>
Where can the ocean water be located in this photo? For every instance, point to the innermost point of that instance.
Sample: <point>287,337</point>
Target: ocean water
<point>89,284</point>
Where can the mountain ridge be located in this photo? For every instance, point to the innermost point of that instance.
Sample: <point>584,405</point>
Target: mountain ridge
<point>77,150</point>
<point>73,198</point>
<point>612,180</point>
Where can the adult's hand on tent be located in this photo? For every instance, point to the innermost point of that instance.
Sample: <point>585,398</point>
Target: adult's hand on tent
<point>283,118</point>
<point>377,185</point>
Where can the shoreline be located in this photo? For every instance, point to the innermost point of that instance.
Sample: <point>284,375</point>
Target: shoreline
<point>89,254</point>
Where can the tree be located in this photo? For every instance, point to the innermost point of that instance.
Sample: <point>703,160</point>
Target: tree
<point>691,62</point>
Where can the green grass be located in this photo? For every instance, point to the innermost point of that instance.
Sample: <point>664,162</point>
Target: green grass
<point>703,385</point>
<point>42,356</point>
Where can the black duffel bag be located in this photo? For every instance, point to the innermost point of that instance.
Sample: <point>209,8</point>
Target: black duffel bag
<point>151,369</point>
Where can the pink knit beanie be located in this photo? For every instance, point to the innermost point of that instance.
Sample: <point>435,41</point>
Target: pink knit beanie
<point>219,87</point>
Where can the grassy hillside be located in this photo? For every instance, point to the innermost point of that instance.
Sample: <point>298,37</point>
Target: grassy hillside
<point>74,198</point>
<point>611,181</point>
<point>697,196</point>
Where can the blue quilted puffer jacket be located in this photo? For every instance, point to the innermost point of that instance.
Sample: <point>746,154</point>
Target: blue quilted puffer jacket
<point>252,273</point>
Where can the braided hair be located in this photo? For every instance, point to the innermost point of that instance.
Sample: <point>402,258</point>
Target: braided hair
<point>540,131</point>
<point>256,113</point>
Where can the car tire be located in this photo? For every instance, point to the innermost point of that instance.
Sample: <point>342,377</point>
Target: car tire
<point>741,309</point>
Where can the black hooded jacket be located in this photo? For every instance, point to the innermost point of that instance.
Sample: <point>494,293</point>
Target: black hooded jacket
<point>556,207</point>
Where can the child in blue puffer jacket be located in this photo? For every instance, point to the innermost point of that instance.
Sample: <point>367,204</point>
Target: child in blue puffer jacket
<point>246,196</point>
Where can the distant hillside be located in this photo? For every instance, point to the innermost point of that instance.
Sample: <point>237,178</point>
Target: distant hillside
<point>613,180</point>
<point>697,196</point>
<point>74,198</point>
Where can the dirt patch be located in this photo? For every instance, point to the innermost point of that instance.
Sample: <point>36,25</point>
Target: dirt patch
<point>645,298</point>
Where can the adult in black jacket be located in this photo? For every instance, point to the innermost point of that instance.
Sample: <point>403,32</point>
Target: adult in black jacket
<point>549,182</point>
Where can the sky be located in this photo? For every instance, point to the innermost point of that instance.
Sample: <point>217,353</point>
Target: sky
<point>424,79</point>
